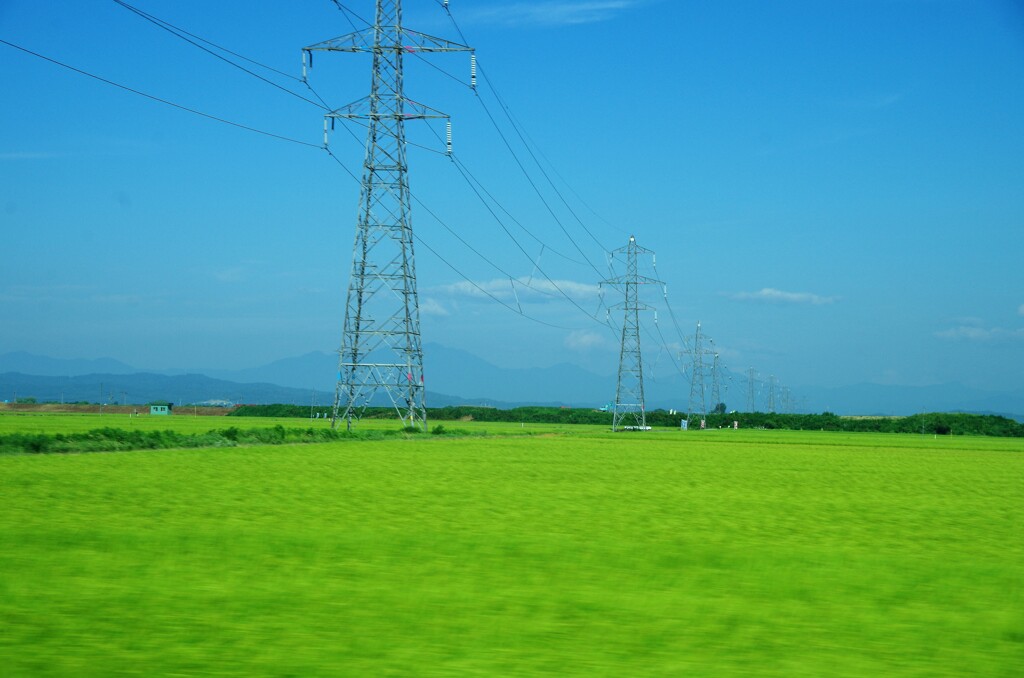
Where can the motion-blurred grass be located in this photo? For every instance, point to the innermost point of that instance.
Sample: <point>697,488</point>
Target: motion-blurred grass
<point>713,554</point>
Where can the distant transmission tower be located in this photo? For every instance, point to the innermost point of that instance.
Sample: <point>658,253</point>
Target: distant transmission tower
<point>773,383</point>
<point>698,372</point>
<point>751,390</point>
<point>716,379</point>
<point>629,389</point>
<point>787,400</point>
<point>381,354</point>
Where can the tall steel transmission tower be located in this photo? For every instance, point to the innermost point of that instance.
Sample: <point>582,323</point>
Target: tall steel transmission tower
<point>716,379</point>
<point>629,388</point>
<point>381,356</point>
<point>698,387</point>
<point>773,383</point>
<point>751,390</point>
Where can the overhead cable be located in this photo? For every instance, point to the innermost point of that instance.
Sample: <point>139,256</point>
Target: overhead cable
<point>508,114</point>
<point>158,99</point>
<point>181,33</point>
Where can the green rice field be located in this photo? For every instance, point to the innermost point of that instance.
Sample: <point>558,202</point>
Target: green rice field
<point>533,550</point>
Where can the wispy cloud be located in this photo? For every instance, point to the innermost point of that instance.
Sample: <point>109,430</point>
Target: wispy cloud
<point>119,299</point>
<point>774,296</point>
<point>551,12</point>
<point>28,155</point>
<point>873,102</point>
<point>1020,310</point>
<point>37,294</point>
<point>523,289</point>
<point>981,334</point>
<point>231,274</point>
<point>240,272</point>
<point>585,340</point>
<point>431,306</point>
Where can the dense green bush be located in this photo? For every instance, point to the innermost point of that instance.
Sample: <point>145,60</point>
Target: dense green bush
<point>114,439</point>
<point>940,423</point>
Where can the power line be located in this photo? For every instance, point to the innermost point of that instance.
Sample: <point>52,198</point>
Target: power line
<point>334,157</point>
<point>419,239</point>
<point>474,184</point>
<point>349,14</point>
<point>472,179</point>
<point>464,172</point>
<point>163,24</point>
<point>441,70</point>
<point>522,134</point>
<point>158,99</point>
<point>533,184</point>
<point>181,33</point>
<point>518,245</point>
<point>551,183</point>
<point>629,389</point>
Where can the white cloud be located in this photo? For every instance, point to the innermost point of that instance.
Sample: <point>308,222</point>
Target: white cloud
<point>232,274</point>
<point>523,289</point>
<point>430,306</point>
<point>981,334</point>
<point>240,272</point>
<point>552,12</point>
<point>28,155</point>
<point>119,299</point>
<point>968,321</point>
<point>36,294</point>
<point>584,340</point>
<point>1020,310</point>
<point>873,101</point>
<point>771,295</point>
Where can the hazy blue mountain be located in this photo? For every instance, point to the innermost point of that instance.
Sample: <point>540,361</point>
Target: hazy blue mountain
<point>888,399</point>
<point>450,370</point>
<point>29,363</point>
<point>143,387</point>
<point>455,377</point>
<point>315,370</point>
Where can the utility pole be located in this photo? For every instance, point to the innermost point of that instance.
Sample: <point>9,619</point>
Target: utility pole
<point>629,388</point>
<point>772,384</point>
<point>381,354</point>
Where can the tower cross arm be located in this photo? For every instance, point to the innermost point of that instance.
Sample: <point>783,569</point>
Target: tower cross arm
<point>421,42</point>
<point>409,40</point>
<point>412,110</point>
<point>633,279</point>
<point>639,306</point>
<point>632,246</point>
<point>360,41</point>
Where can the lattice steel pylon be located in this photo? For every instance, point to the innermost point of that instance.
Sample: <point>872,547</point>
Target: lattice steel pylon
<point>751,390</point>
<point>772,384</point>
<point>381,350</point>
<point>698,388</point>
<point>716,381</point>
<point>629,388</point>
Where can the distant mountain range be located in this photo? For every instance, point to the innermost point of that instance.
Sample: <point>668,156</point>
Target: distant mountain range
<point>453,377</point>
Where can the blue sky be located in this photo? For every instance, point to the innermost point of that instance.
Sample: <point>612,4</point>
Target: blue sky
<point>835,190</point>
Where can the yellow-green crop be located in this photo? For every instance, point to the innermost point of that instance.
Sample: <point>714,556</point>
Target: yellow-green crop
<point>715,554</point>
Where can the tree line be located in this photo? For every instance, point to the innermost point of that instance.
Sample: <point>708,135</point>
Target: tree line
<point>935,423</point>
<point>115,439</point>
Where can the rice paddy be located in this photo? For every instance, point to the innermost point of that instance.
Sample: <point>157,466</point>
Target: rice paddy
<point>572,551</point>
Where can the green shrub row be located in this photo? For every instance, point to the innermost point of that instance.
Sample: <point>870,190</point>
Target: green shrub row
<point>939,423</point>
<point>114,439</point>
